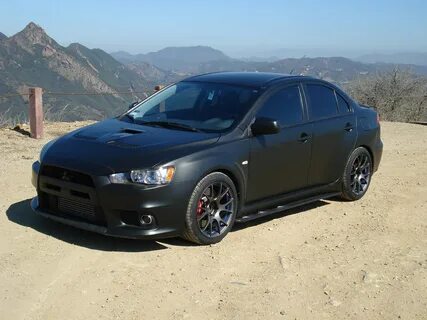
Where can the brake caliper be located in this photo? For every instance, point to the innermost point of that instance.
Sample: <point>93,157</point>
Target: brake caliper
<point>199,208</point>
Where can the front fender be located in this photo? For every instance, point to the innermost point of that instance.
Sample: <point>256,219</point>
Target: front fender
<point>230,158</point>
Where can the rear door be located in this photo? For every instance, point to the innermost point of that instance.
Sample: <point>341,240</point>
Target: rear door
<point>334,132</point>
<point>279,162</point>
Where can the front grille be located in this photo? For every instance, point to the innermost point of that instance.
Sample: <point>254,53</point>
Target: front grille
<point>70,206</point>
<point>71,209</point>
<point>69,194</point>
<point>66,175</point>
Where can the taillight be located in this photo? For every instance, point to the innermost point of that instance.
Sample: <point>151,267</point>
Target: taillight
<point>378,118</point>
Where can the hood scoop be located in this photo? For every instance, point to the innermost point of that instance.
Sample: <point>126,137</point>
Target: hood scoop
<point>118,139</point>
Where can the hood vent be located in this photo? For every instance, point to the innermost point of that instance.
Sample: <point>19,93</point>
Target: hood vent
<point>131,131</point>
<point>124,132</point>
<point>121,144</point>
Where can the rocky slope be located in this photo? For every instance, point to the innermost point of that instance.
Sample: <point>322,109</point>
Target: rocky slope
<point>32,58</point>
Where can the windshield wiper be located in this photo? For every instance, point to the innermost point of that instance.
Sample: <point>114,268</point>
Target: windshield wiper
<point>169,124</point>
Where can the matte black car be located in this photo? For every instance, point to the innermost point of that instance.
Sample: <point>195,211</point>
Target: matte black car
<point>208,151</point>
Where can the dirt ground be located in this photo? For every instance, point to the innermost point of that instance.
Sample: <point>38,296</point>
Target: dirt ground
<point>330,260</point>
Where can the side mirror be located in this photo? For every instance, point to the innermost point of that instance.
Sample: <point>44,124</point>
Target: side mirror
<point>263,126</point>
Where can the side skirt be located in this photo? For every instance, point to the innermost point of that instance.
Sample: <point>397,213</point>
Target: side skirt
<point>290,205</point>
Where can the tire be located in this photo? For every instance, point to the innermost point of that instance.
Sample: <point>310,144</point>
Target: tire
<point>357,175</point>
<point>211,210</point>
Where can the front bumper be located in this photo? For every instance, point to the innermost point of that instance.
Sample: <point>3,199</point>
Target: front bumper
<point>111,209</point>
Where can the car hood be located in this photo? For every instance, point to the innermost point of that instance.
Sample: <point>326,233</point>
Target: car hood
<point>116,146</point>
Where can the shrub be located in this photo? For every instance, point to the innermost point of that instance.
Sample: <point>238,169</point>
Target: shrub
<point>398,95</point>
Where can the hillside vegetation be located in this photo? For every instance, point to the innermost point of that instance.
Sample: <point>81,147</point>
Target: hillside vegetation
<point>397,95</point>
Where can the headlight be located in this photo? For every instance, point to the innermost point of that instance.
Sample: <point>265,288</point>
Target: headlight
<point>159,176</point>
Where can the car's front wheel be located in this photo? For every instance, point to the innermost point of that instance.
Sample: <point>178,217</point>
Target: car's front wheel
<point>211,210</point>
<point>357,174</point>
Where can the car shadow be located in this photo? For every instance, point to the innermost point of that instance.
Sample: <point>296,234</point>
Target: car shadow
<point>338,199</point>
<point>287,212</point>
<point>22,214</point>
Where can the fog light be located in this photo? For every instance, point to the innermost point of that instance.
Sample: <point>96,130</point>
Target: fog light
<point>146,219</point>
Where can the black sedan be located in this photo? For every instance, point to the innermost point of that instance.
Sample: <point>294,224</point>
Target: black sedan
<point>208,151</point>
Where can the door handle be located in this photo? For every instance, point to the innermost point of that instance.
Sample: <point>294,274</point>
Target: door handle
<point>304,137</point>
<point>348,127</point>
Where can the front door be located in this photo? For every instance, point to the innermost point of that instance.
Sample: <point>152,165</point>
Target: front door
<point>279,162</point>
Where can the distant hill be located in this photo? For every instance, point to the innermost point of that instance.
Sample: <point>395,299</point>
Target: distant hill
<point>32,58</point>
<point>194,60</point>
<point>177,59</point>
<point>125,57</point>
<point>2,36</point>
<point>155,74</point>
<point>335,69</point>
<point>416,58</point>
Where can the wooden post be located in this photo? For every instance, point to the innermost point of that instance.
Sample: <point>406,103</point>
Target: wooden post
<point>36,113</point>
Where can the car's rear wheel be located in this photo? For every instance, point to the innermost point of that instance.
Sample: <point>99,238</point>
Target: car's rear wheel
<point>211,210</point>
<point>357,175</point>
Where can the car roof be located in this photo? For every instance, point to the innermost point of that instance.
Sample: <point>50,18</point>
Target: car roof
<point>251,79</point>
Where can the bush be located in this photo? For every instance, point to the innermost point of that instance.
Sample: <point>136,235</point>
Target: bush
<point>398,95</point>
<point>9,120</point>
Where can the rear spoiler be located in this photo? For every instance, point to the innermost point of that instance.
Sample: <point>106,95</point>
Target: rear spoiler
<point>368,107</point>
<point>374,109</point>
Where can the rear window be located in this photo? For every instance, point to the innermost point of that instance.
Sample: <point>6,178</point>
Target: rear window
<point>342,104</point>
<point>322,101</point>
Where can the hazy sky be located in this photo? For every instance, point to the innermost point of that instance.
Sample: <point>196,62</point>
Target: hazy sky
<point>240,28</point>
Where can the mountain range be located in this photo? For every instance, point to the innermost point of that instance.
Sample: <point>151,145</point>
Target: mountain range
<point>191,60</point>
<point>415,58</point>
<point>177,59</point>
<point>31,58</point>
<point>82,83</point>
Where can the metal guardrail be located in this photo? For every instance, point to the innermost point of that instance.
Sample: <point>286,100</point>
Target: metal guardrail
<point>35,98</point>
<point>11,95</point>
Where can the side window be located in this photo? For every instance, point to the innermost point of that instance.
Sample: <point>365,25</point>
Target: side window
<point>322,101</point>
<point>284,106</point>
<point>342,104</point>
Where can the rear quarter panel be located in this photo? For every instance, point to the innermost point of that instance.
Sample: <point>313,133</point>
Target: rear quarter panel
<point>369,133</point>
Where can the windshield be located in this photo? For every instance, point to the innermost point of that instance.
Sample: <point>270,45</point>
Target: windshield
<point>200,106</point>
